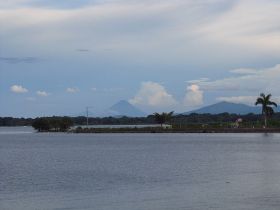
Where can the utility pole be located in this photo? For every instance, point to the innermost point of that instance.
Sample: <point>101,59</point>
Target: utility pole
<point>87,113</point>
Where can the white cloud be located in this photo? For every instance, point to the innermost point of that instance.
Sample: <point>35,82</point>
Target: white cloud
<point>12,3</point>
<point>244,71</point>
<point>194,96</point>
<point>72,90</point>
<point>195,81</point>
<point>243,87</point>
<point>153,94</point>
<point>252,24</point>
<point>262,80</point>
<point>42,93</point>
<point>250,100</point>
<point>94,89</point>
<point>185,26</point>
<point>18,89</point>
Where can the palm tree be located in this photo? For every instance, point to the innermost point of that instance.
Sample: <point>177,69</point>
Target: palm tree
<point>267,110</point>
<point>163,117</point>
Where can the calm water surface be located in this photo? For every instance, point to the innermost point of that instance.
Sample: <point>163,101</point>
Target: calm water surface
<point>138,171</point>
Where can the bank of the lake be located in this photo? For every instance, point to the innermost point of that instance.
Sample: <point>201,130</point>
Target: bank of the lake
<point>173,130</point>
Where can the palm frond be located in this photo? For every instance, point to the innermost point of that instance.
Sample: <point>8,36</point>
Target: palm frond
<point>271,103</point>
<point>259,101</point>
<point>262,95</point>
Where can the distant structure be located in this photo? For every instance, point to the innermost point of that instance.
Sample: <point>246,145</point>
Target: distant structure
<point>87,112</point>
<point>237,122</point>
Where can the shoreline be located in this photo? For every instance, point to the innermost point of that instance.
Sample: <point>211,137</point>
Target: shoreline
<point>170,130</point>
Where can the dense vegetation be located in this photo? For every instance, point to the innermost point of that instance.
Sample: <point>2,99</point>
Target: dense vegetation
<point>10,121</point>
<point>58,124</point>
<point>163,117</point>
<point>179,121</point>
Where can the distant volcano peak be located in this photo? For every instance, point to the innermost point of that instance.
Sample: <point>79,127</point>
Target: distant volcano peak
<point>124,108</point>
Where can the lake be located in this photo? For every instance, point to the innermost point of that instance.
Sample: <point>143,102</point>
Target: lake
<point>138,171</point>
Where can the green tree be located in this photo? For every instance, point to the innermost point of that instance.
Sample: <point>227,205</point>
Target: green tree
<point>65,123</point>
<point>163,117</point>
<point>41,124</point>
<point>267,109</point>
<point>61,124</point>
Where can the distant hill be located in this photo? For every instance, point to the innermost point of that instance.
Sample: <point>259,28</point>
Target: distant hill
<point>231,108</point>
<point>124,108</point>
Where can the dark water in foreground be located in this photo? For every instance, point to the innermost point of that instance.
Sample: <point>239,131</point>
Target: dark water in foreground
<point>139,171</point>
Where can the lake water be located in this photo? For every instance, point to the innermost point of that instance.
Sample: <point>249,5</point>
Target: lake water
<point>138,171</point>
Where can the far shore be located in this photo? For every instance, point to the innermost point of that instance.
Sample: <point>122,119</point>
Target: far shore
<point>172,130</point>
<point>104,130</point>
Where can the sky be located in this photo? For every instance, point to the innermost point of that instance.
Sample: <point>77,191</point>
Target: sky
<point>58,57</point>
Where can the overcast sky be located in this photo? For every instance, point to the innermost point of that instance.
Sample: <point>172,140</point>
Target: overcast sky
<point>57,57</point>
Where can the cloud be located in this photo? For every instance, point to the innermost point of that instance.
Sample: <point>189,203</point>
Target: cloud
<point>154,95</point>
<point>250,24</point>
<point>243,87</point>
<point>195,81</point>
<point>250,100</point>
<point>43,3</point>
<point>82,50</point>
<point>261,80</point>
<point>129,27</point>
<point>194,96</point>
<point>18,89</point>
<point>15,60</point>
<point>149,35</point>
<point>13,3</point>
<point>94,89</point>
<point>244,71</point>
<point>42,93</point>
<point>72,90</point>
<point>145,24</point>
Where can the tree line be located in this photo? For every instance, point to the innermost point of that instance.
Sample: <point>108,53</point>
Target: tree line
<point>178,120</point>
<point>56,123</point>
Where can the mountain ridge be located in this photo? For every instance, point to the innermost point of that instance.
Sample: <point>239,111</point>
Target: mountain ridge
<point>229,107</point>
